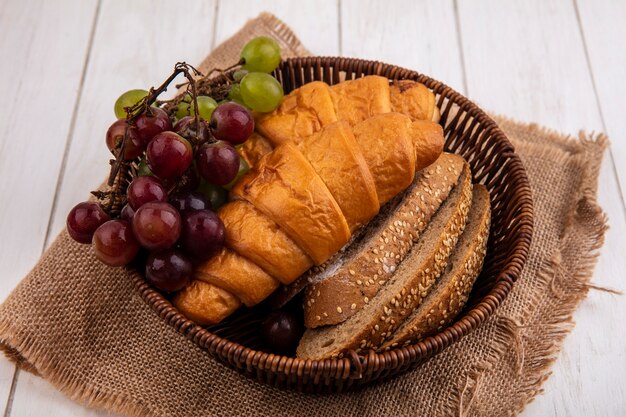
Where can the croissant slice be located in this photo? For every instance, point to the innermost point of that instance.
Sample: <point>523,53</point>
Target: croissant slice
<point>337,158</point>
<point>238,275</point>
<point>357,100</point>
<point>414,100</point>
<point>254,148</point>
<point>205,303</point>
<point>285,187</point>
<point>303,112</point>
<point>253,235</point>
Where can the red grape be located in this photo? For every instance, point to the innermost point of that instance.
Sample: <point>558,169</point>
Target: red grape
<point>115,135</point>
<point>142,190</point>
<point>203,234</point>
<point>83,220</point>
<point>114,243</point>
<point>191,201</point>
<point>168,270</point>
<point>232,122</point>
<point>186,127</point>
<point>218,163</point>
<point>127,213</point>
<point>169,155</point>
<point>157,225</point>
<point>149,125</point>
<point>282,330</point>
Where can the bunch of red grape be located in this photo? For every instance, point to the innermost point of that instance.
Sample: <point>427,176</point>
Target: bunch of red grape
<point>186,160</point>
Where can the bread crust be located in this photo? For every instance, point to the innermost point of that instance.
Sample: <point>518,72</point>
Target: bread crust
<point>285,187</point>
<point>388,149</point>
<point>255,148</point>
<point>368,328</point>
<point>237,275</point>
<point>357,100</point>
<point>414,100</point>
<point>253,235</point>
<point>449,296</point>
<point>340,295</point>
<point>303,112</point>
<point>337,158</point>
<point>205,303</point>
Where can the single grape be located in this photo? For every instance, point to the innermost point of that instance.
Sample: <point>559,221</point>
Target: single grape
<point>232,122</point>
<point>151,123</point>
<point>114,243</point>
<point>203,234</point>
<point>234,94</point>
<point>261,92</point>
<point>169,270</point>
<point>182,108</point>
<point>192,201</point>
<point>243,169</point>
<point>217,162</point>
<point>127,213</point>
<point>206,105</point>
<point>186,127</point>
<point>239,74</point>
<point>84,219</point>
<point>169,155</point>
<point>143,169</point>
<point>157,225</point>
<point>215,195</point>
<point>128,99</point>
<point>142,190</point>
<point>282,330</point>
<point>261,54</point>
<point>115,136</point>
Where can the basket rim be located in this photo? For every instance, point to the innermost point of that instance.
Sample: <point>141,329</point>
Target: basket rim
<point>353,365</point>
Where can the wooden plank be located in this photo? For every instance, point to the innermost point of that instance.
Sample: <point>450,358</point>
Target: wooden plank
<point>418,35</point>
<point>315,21</point>
<point>40,72</point>
<point>136,45</point>
<point>527,60</point>
<point>602,24</point>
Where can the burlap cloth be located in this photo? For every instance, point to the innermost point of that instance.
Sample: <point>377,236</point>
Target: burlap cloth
<point>82,326</point>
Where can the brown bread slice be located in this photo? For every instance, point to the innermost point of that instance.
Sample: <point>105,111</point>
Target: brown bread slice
<point>451,292</point>
<point>404,291</point>
<point>367,265</point>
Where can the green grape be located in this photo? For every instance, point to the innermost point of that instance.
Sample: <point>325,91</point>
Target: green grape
<point>143,169</point>
<point>206,105</point>
<point>128,99</point>
<point>243,169</point>
<point>239,74</point>
<point>261,54</point>
<point>234,94</point>
<point>261,92</point>
<point>183,108</point>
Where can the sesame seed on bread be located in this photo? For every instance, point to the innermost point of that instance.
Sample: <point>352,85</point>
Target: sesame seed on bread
<point>404,291</point>
<point>451,292</point>
<point>371,260</point>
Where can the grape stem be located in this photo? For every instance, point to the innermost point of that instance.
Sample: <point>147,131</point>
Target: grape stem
<point>143,105</point>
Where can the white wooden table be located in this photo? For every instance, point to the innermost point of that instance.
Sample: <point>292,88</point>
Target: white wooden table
<point>63,63</point>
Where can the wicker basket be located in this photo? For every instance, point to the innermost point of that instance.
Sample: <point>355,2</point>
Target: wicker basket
<point>470,133</point>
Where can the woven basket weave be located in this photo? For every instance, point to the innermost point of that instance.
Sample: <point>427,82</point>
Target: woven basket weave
<point>468,132</point>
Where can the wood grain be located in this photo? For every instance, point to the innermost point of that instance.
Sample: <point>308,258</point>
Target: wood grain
<point>532,52</point>
<point>314,21</point>
<point>136,44</point>
<point>421,37</point>
<point>542,75</point>
<point>40,69</point>
<point>602,24</point>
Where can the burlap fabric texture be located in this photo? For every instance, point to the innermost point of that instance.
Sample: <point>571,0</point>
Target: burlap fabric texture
<point>82,326</point>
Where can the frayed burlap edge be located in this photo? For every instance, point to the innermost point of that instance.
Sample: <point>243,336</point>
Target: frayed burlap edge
<point>586,218</point>
<point>533,367</point>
